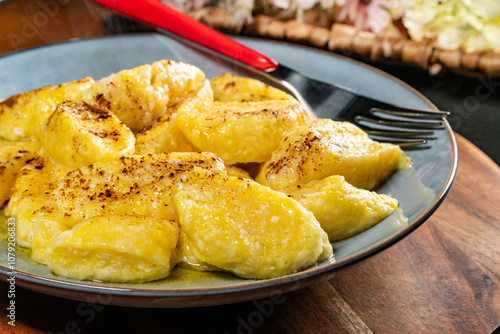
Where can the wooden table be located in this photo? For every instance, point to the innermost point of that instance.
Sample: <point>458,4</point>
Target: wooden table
<point>442,278</point>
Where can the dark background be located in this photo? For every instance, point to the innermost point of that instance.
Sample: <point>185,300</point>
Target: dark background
<point>474,102</point>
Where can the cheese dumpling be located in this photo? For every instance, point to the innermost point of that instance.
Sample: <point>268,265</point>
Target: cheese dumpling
<point>78,134</point>
<point>325,147</point>
<point>342,209</point>
<point>140,95</point>
<point>30,194</point>
<point>44,229</point>
<point>163,135</point>
<point>250,230</point>
<point>22,115</point>
<point>241,132</point>
<point>238,172</point>
<point>115,249</point>
<point>233,88</point>
<point>13,156</point>
<point>186,258</point>
<point>141,185</point>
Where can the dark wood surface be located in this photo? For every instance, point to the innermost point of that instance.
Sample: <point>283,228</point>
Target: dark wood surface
<point>442,278</point>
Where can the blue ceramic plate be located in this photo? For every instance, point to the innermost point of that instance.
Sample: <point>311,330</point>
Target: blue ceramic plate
<point>419,190</point>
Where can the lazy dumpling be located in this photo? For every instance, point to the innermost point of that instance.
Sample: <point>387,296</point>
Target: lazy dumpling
<point>31,193</point>
<point>140,95</point>
<point>78,134</point>
<point>141,185</point>
<point>241,132</point>
<point>163,135</point>
<point>13,156</point>
<point>342,209</point>
<point>115,249</point>
<point>250,230</point>
<point>233,88</point>
<point>22,115</point>
<point>325,147</point>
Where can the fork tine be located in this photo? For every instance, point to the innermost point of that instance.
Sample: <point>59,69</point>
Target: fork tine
<point>411,112</point>
<point>408,128</point>
<point>405,139</point>
<point>402,142</point>
<point>410,133</point>
<point>392,115</point>
<point>398,125</point>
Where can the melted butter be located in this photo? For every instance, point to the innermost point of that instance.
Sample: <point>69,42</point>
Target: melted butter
<point>26,252</point>
<point>187,278</point>
<point>4,235</point>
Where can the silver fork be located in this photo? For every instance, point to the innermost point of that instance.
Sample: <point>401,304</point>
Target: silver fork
<point>406,127</point>
<point>382,121</point>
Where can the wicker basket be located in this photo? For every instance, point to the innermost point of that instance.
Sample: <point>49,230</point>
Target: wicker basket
<point>320,31</point>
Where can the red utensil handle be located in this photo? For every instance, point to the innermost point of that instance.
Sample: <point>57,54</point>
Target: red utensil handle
<point>156,13</point>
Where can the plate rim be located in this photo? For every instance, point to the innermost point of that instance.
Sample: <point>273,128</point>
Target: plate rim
<point>313,274</point>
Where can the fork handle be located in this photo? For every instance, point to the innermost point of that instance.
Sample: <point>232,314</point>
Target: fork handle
<point>156,13</point>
